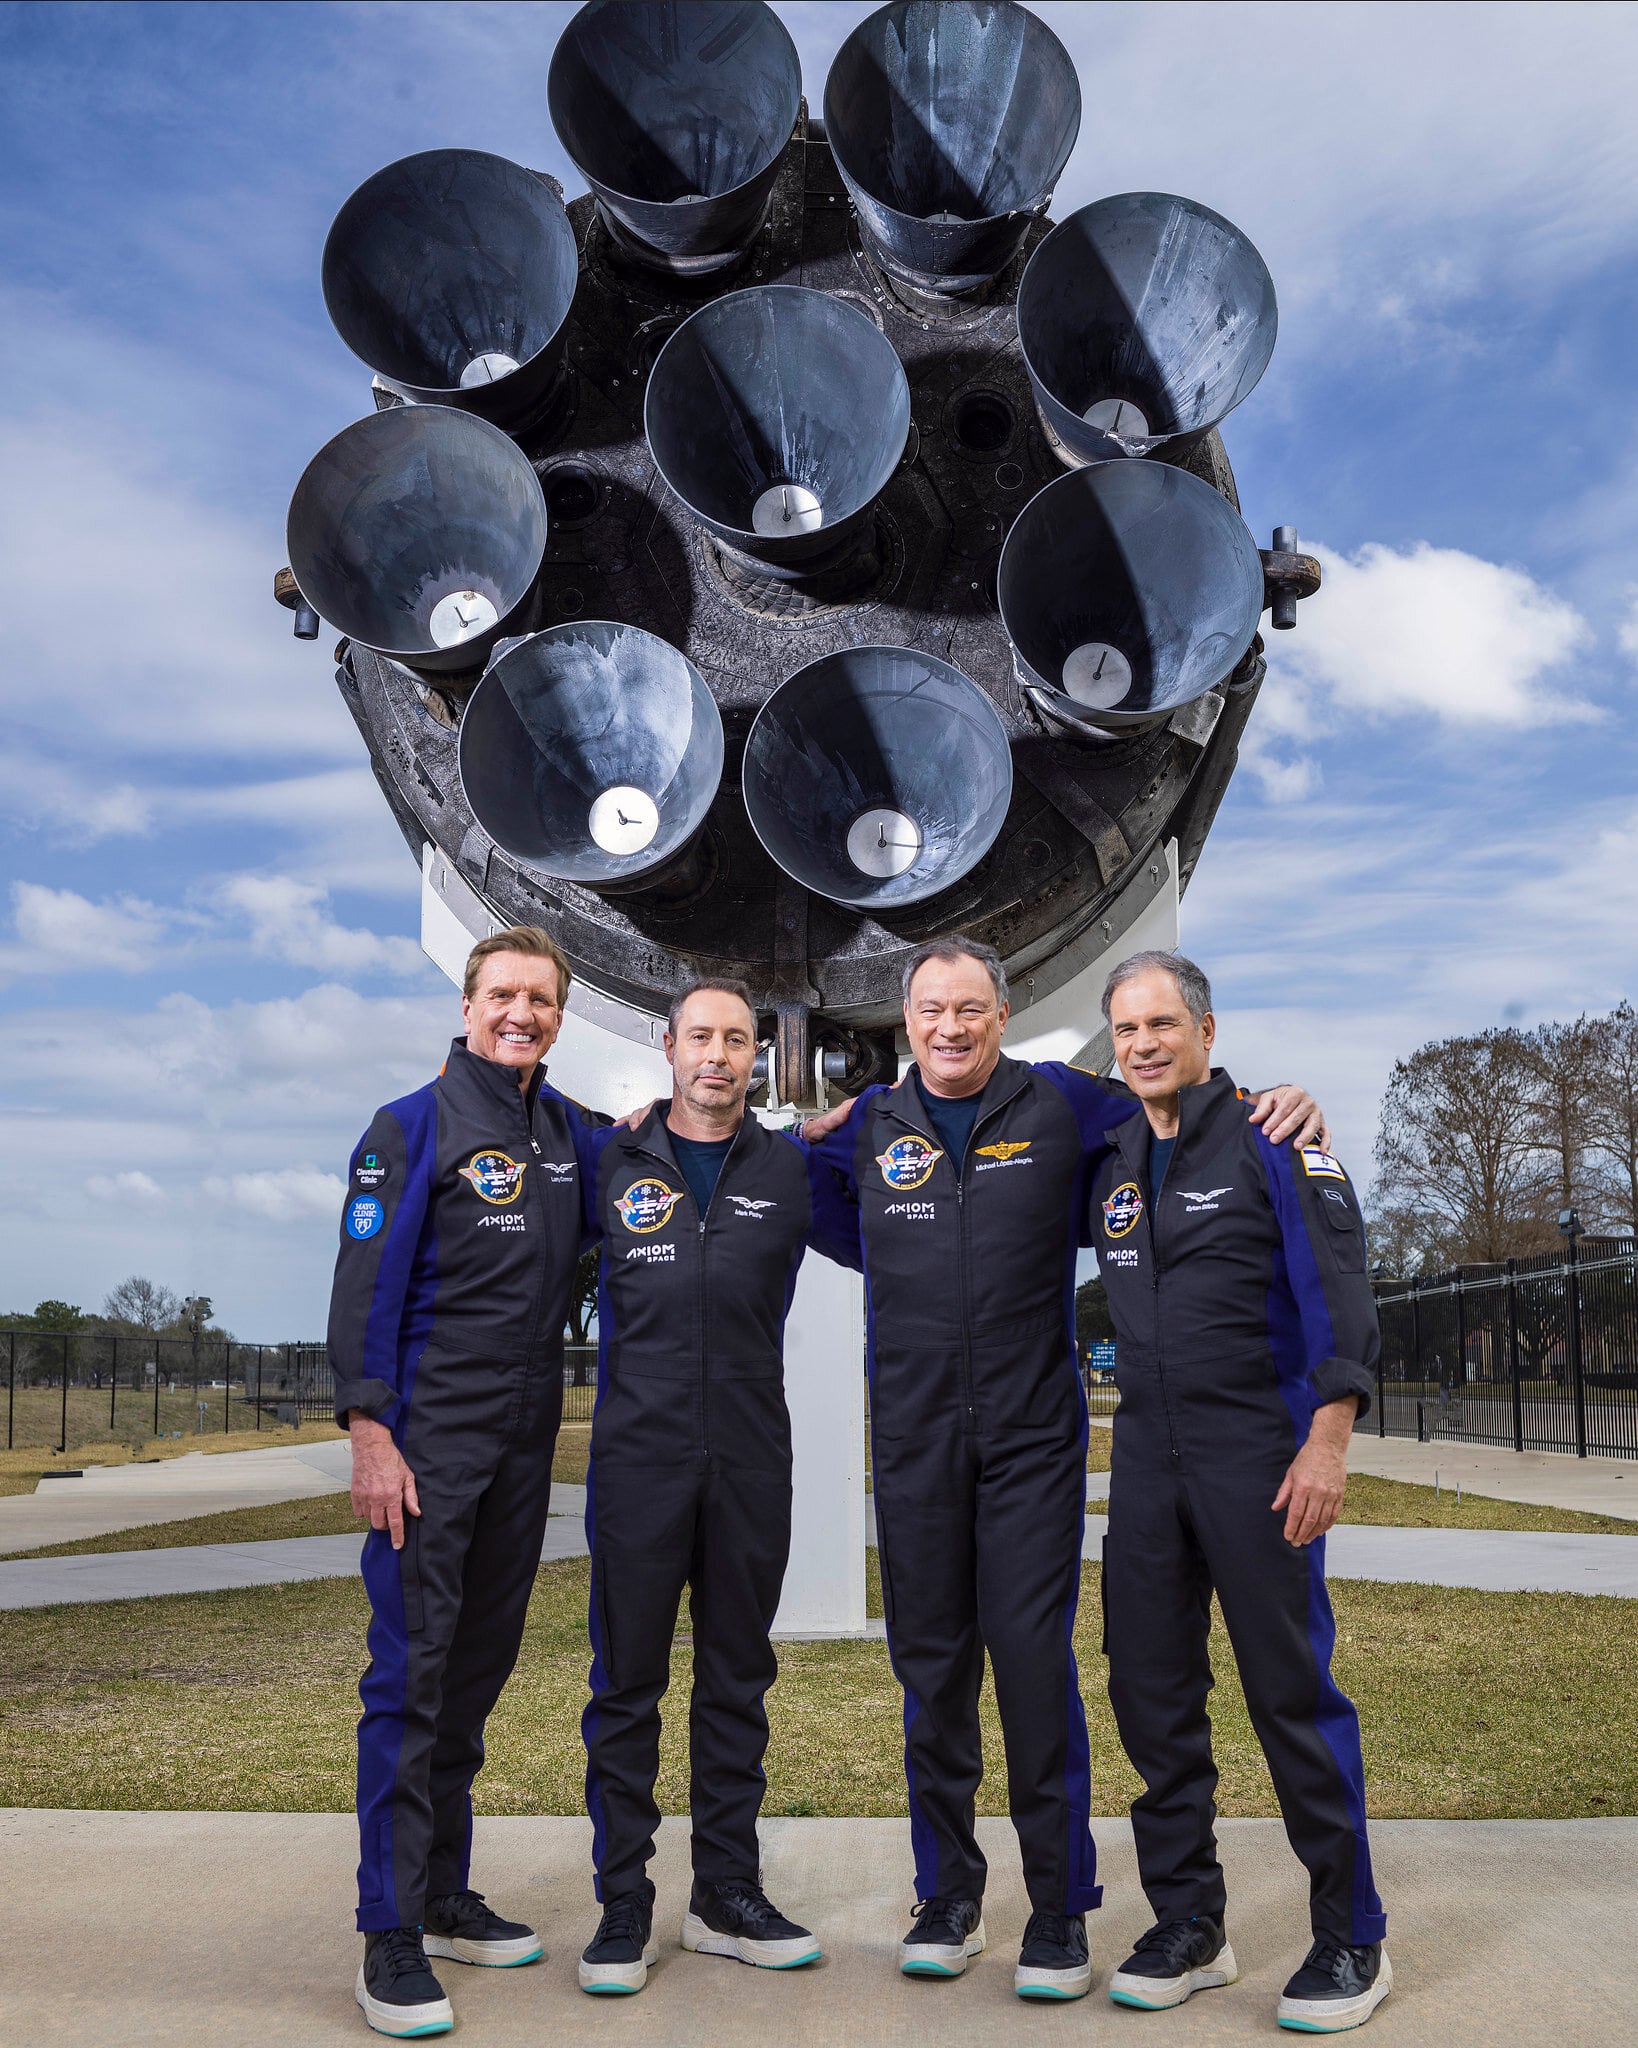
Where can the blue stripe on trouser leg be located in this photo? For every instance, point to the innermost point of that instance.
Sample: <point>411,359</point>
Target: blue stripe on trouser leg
<point>1338,1723</point>
<point>382,1690</point>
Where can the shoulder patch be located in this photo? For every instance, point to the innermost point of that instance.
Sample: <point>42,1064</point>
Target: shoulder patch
<point>1320,1165</point>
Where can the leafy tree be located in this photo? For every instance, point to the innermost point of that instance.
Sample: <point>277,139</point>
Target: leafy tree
<point>1093,1322</point>
<point>1612,1112</point>
<point>140,1305</point>
<point>1564,1067</point>
<point>1458,1145</point>
<point>59,1315</point>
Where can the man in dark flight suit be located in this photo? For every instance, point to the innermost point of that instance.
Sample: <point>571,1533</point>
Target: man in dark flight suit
<point>1247,1337</point>
<point>703,1216</point>
<point>459,1239</point>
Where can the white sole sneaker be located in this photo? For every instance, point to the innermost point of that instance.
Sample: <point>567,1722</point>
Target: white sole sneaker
<point>1159,1994</point>
<point>617,1978</point>
<point>494,1955</point>
<point>1336,2015</point>
<point>1030,1982</point>
<point>404,2022</point>
<point>701,1940</point>
<point>921,1959</point>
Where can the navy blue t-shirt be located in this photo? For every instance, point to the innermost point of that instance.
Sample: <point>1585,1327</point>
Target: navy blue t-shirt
<point>953,1117</point>
<point>701,1162</point>
<point>1160,1157</point>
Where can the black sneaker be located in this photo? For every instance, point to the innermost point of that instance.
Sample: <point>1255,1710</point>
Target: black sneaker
<point>1054,1961</point>
<point>945,1934</point>
<point>735,1918</point>
<point>1174,1960</point>
<point>461,1926</point>
<point>622,1951</point>
<point>1338,1987</point>
<point>396,1986</point>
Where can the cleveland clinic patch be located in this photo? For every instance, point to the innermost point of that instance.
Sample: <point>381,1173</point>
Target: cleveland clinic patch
<point>370,1171</point>
<point>495,1176</point>
<point>647,1205</point>
<point>364,1217</point>
<point>1320,1165</point>
<point>1122,1210</point>
<point>907,1163</point>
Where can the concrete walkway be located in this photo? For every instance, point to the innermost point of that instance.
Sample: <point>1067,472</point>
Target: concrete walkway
<point>1503,1934</point>
<point>1493,1560</point>
<point>1594,1486</point>
<point>111,1497</point>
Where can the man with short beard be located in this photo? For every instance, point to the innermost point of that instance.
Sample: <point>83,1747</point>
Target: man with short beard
<point>962,1193</point>
<point>459,1241</point>
<point>703,1216</point>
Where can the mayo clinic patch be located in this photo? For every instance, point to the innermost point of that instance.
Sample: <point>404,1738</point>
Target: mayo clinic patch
<point>1122,1210</point>
<point>907,1163</point>
<point>646,1206</point>
<point>1320,1165</point>
<point>364,1217</point>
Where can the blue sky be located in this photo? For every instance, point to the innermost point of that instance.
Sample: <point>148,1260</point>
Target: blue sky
<point>208,967</point>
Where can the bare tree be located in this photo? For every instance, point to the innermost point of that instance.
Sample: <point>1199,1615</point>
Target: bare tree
<point>1564,1067</point>
<point>1612,1118</point>
<point>1458,1143</point>
<point>143,1305</point>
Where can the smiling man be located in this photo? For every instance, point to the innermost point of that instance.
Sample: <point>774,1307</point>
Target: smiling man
<point>961,1192</point>
<point>704,1216</point>
<point>458,1245</point>
<point>1247,1341</point>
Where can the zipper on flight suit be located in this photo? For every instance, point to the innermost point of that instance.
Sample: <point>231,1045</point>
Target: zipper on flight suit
<point>1152,1207</point>
<point>968,1399</point>
<point>703,1321</point>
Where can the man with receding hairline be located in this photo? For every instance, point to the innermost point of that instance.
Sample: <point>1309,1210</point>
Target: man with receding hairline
<point>1247,1343</point>
<point>459,1240</point>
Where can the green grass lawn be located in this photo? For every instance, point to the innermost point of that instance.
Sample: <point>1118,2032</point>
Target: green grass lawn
<point>1474,1705</point>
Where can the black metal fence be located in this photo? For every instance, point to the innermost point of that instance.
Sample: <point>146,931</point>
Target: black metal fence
<point>72,1388</point>
<point>1535,1355</point>
<point>67,1390</point>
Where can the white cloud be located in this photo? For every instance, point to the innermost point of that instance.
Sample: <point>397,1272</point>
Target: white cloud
<point>1436,631</point>
<point>1627,632</point>
<point>59,929</point>
<point>135,1190</point>
<point>285,1196</point>
<point>288,921</point>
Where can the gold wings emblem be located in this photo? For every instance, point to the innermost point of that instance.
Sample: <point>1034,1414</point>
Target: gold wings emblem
<point>1003,1151</point>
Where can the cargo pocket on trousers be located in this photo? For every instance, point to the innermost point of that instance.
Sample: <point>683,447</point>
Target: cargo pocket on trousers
<point>409,1575</point>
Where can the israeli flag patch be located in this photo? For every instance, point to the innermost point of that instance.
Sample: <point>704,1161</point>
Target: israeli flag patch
<point>1320,1165</point>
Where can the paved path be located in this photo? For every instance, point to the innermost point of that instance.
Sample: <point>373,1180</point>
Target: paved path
<point>1494,1560</point>
<point>1503,1934</point>
<point>135,1496</point>
<point>1596,1486</point>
